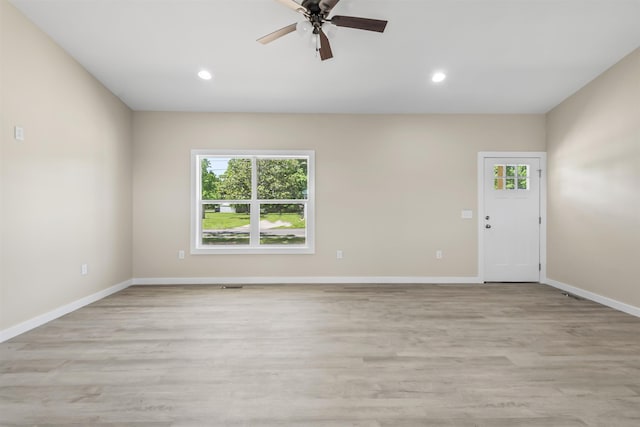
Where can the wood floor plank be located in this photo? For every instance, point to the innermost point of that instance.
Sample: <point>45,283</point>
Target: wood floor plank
<point>327,356</point>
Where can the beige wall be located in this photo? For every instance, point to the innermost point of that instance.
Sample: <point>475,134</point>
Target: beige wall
<point>389,189</point>
<point>594,185</point>
<point>65,190</point>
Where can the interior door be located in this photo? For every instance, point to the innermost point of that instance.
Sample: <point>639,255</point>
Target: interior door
<point>512,219</point>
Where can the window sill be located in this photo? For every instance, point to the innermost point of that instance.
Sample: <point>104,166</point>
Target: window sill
<point>294,250</point>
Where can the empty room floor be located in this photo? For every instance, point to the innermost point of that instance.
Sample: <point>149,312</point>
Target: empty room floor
<point>328,355</point>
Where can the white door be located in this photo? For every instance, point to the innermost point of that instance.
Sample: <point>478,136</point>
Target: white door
<point>511,219</point>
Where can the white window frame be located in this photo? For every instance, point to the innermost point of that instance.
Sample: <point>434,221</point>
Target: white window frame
<point>197,248</point>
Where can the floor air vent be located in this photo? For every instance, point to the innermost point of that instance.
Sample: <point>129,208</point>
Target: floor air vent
<point>567,294</point>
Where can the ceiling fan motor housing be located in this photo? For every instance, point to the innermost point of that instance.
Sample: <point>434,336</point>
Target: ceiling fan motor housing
<point>313,6</point>
<point>315,14</point>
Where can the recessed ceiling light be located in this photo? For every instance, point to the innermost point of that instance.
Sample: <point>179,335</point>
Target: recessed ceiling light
<point>438,77</point>
<point>205,75</point>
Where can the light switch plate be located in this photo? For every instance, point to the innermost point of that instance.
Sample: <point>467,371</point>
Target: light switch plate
<point>466,214</point>
<point>18,133</point>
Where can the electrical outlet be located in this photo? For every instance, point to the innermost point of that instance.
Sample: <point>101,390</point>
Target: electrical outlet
<point>439,254</point>
<point>84,269</point>
<point>181,254</point>
<point>339,254</point>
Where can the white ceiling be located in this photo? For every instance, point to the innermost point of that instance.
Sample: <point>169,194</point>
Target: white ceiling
<point>501,56</point>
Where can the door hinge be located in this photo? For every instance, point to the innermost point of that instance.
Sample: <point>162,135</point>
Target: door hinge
<point>539,173</point>
<point>539,266</point>
<point>540,220</point>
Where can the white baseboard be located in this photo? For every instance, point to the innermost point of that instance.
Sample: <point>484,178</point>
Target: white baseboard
<point>609,302</point>
<point>317,280</point>
<point>27,325</point>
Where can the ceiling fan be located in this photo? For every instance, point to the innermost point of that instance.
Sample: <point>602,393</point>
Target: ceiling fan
<point>316,14</point>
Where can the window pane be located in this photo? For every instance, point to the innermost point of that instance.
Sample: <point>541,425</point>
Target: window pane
<point>209,179</point>
<point>523,171</point>
<point>281,179</point>
<point>498,184</point>
<point>225,224</point>
<point>498,171</point>
<point>523,184</point>
<point>511,170</point>
<point>510,184</point>
<point>282,224</point>
<point>234,178</point>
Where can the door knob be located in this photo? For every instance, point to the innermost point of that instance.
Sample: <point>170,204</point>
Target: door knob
<point>487,226</point>
<point>486,217</point>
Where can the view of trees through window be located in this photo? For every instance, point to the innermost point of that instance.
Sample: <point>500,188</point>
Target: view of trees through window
<point>228,196</point>
<point>511,177</point>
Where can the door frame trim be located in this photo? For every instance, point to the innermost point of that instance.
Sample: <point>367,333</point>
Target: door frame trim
<point>542,156</point>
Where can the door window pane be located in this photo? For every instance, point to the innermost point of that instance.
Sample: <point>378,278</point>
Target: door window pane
<point>523,184</point>
<point>523,171</point>
<point>511,177</point>
<point>523,177</point>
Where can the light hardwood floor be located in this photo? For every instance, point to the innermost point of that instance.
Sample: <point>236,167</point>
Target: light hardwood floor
<point>332,356</point>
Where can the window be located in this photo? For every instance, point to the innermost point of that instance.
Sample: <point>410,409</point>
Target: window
<point>511,177</point>
<point>252,202</point>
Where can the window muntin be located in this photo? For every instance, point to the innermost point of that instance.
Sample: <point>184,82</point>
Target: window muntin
<point>252,202</point>
<point>511,177</point>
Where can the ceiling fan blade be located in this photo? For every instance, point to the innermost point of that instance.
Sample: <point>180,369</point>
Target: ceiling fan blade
<point>293,5</point>
<point>325,47</point>
<point>327,5</point>
<point>359,23</point>
<point>277,34</point>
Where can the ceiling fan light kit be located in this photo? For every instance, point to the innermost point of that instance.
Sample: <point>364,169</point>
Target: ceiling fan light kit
<point>304,28</point>
<point>320,26</point>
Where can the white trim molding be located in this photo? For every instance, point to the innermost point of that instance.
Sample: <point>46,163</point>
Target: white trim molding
<point>303,280</point>
<point>609,302</point>
<point>254,246</point>
<point>482,155</point>
<point>33,323</point>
